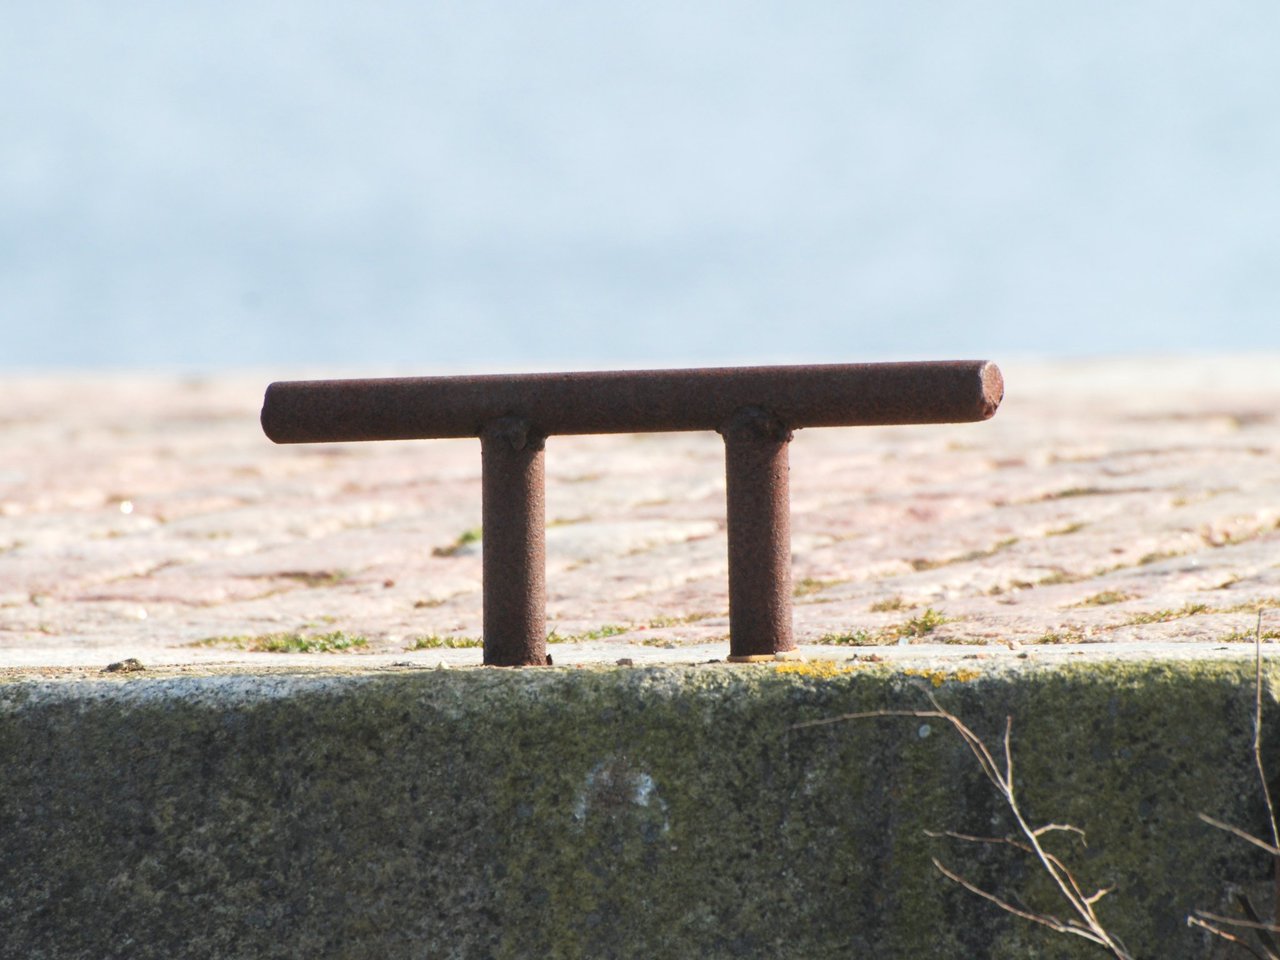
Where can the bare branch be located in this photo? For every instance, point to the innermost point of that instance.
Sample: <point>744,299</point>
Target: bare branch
<point>1268,941</point>
<point>1238,922</point>
<point>969,838</point>
<point>996,842</point>
<point>1254,923</point>
<point>1008,752</point>
<point>1257,734</point>
<point>1061,876</point>
<point>1053,923</point>
<point>1197,922</point>
<point>870,715</point>
<point>1257,759</point>
<point>1242,834</point>
<point>975,743</point>
<point>1088,926</point>
<point>1065,827</point>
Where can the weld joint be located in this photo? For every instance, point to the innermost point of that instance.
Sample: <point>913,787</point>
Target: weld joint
<point>516,431</point>
<point>754,423</point>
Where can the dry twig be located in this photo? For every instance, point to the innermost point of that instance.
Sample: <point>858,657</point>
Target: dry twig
<point>1085,924</point>
<point>1210,921</point>
<point>1225,935</point>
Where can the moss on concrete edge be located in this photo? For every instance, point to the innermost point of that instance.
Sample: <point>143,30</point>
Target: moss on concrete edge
<point>583,813</point>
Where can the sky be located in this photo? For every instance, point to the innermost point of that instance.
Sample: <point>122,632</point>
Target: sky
<point>429,185</point>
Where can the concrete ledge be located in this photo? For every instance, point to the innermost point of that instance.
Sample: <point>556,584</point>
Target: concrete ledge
<point>609,812</point>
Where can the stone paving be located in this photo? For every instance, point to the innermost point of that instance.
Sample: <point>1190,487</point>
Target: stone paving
<point>1111,506</point>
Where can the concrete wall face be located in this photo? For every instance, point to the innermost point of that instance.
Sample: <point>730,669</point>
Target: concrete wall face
<point>672,812</point>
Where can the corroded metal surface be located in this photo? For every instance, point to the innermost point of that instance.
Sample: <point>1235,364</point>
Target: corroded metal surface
<point>757,486</point>
<point>754,408</point>
<point>515,555</point>
<point>632,401</point>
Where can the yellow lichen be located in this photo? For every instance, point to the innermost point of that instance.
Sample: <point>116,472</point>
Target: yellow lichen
<point>816,668</point>
<point>938,677</point>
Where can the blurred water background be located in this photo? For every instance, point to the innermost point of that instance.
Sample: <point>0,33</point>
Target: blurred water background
<point>503,185</point>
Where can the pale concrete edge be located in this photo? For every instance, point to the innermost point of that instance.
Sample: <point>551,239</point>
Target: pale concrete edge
<point>258,680</point>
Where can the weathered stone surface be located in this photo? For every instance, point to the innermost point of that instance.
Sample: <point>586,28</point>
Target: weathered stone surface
<point>609,812</point>
<point>1090,562</point>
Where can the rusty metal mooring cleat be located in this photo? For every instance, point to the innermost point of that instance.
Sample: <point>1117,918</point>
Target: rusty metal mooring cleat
<point>755,409</point>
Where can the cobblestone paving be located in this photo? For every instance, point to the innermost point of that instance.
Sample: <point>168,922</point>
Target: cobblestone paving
<point>1124,502</point>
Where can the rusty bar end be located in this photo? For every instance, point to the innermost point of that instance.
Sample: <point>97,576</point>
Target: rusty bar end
<point>992,389</point>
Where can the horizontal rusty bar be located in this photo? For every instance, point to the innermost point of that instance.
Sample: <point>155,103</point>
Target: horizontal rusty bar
<point>632,401</point>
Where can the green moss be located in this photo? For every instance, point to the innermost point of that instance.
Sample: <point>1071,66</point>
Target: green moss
<point>1063,531</point>
<point>288,642</point>
<point>808,586</point>
<point>434,642</point>
<point>1104,598</point>
<point>678,621</point>
<point>1249,636</point>
<point>316,578</point>
<point>919,626</point>
<point>608,630</point>
<point>1072,492</point>
<point>567,521</point>
<point>890,605</point>
<point>972,555</point>
<point>1164,616</point>
<point>671,643</point>
<point>465,538</point>
<point>854,638</point>
<point>1059,576</point>
<point>1060,636</point>
<point>596,812</point>
<point>1158,555</point>
<point>1250,606</point>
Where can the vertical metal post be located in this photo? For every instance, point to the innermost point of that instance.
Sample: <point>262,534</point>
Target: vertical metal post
<point>514,544</point>
<point>759,513</point>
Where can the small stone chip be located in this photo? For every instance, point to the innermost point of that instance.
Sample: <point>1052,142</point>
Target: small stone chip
<point>124,666</point>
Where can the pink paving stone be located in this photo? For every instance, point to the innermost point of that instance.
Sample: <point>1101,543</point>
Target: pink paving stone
<point>1110,506</point>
